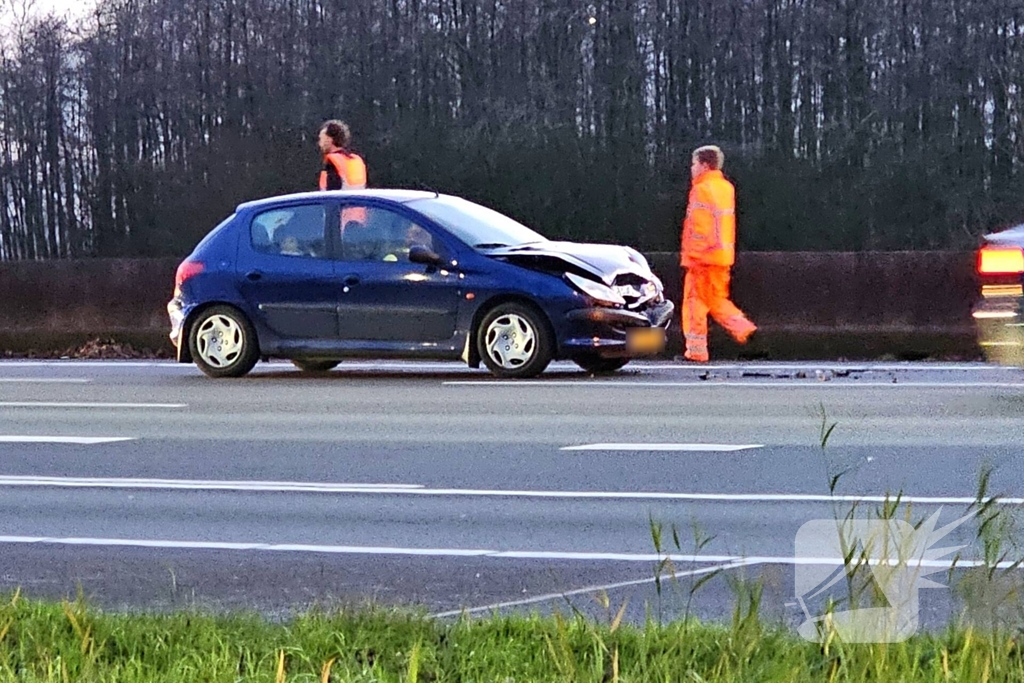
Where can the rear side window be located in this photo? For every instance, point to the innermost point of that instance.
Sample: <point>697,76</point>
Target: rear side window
<point>378,234</point>
<point>296,231</point>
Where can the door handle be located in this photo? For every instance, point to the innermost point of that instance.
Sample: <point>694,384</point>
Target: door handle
<point>350,280</point>
<point>254,275</point>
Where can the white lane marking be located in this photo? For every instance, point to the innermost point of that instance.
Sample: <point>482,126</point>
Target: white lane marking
<point>475,552</point>
<point>687,447</point>
<point>588,589</point>
<point>420,490</point>
<point>646,365</point>
<point>95,363</point>
<point>41,380</point>
<point>712,383</point>
<point>77,404</point>
<point>85,440</point>
<point>113,364</point>
<point>197,485</point>
<point>843,367</point>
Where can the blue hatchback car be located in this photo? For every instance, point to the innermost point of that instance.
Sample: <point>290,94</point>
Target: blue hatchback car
<point>320,277</point>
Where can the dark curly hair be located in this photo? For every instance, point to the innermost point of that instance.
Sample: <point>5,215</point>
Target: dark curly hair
<point>338,132</point>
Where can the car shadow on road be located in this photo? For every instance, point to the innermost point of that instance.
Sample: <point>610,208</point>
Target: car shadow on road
<point>341,374</point>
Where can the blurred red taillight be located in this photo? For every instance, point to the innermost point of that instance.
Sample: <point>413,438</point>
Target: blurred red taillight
<point>994,260</point>
<point>186,270</point>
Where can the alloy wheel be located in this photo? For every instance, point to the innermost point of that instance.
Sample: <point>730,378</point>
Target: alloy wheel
<point>220,340</point>
<point>510,341</point>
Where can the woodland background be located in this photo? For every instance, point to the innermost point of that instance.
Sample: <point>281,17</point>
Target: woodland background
<point>848,124</point>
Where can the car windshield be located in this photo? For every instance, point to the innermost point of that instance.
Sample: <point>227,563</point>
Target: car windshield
<point>476,225</point>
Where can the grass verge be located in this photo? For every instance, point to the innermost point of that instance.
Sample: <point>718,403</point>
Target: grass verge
<point>69,641</point>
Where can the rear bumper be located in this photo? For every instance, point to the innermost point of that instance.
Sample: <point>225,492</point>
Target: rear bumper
<point>1004,311</point>
<point>999,320</point>
<point>176,312</point>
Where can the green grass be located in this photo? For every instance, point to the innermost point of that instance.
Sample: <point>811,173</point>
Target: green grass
<point>46,641</point>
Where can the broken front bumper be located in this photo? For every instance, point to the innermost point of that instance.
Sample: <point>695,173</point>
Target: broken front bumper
<point>617,332</point>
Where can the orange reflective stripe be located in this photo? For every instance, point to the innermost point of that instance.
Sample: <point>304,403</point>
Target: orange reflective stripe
<point>718,213</point>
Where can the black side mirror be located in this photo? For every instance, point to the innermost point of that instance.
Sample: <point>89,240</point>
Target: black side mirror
<point>420,254</point>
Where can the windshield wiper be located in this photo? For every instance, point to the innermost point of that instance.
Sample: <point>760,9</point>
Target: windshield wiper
<point>489,245</point>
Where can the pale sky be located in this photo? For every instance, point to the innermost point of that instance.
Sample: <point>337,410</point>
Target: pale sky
<point>14,12</point>
<point>69,8</point>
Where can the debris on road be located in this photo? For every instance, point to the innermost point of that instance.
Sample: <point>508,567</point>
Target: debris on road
<point>94,349</point>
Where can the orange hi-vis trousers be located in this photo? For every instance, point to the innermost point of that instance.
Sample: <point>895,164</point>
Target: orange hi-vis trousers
<point>706,291</point>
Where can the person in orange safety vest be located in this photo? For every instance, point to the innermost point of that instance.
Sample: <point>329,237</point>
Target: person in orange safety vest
<point>708,252</point>
<point>343,169</point>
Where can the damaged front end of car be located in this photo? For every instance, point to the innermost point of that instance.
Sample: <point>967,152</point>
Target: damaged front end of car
<point>625,315</point>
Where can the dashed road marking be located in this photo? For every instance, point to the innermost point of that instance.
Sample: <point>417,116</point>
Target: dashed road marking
<point>198,485</point>
<point>665,447</point>
<point>83,440</point>
<point>81,404</point>
<point>43,380</point>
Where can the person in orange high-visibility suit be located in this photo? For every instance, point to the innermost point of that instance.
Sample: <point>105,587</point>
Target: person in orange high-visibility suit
<point>343,169</point>
<point>708,252</point>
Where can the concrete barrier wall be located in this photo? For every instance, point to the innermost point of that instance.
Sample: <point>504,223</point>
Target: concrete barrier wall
<point>868,291</point>
<point>813,304</point>
<point>87,295</point>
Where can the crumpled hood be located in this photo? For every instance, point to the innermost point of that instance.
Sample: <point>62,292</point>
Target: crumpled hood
<point>605,261</point>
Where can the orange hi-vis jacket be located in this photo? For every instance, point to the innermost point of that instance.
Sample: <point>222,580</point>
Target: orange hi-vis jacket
<point>343,172</point>
<point>709,229</point>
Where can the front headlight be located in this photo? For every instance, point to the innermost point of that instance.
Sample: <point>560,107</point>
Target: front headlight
<point>602,294</point>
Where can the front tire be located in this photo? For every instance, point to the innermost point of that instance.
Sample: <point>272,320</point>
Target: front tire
<point>223,342</point>
<point>514,341</point>
<point>600,366</point>
<point>315,366</point>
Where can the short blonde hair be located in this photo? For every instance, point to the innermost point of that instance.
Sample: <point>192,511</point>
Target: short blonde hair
<point>711,156</point>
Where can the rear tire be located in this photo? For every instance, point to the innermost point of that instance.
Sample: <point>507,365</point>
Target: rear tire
<point>315,366</point>
<point>223,342</point>
<point>514,341</point>
<point>600,366</point>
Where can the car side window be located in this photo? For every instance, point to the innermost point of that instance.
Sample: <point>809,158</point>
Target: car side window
<point>377,234</point>
<point>293,231</point>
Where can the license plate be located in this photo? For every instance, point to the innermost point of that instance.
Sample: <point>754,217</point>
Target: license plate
<point>645,339</point>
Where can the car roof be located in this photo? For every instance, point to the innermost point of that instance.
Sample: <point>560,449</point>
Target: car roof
<point>401,196</point>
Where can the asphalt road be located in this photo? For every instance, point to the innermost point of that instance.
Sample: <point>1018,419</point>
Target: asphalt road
<point>149,485</point>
